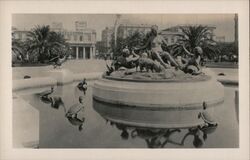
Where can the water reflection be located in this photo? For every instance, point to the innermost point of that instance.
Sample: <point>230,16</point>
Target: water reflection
<point>155,138</point>
<point>74,114</point>
<point>160,137</point>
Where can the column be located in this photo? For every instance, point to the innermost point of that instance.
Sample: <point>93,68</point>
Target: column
<point>77,52</point>
<point>94,51</point>
<point>84,57</point>
<point>91,52</point>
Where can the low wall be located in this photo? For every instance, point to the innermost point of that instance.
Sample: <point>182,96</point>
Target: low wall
<point>54,78</point>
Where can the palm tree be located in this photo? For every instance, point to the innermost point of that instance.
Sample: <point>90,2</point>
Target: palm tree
<point>134,40</point>
<point>193,36</point>
<point>44,43</point>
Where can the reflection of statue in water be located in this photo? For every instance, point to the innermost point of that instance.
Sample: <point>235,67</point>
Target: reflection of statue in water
<point>54,101</point>
<point>123,128</point>
<point>155,138</point>
<point>206,117</point>
<point>160,137</point>
<point>75,114</point>
<point>200,135</point>
<point>208,127</point>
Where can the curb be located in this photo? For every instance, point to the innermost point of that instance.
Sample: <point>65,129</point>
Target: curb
<point>40,82</point>
<point>228,82</point>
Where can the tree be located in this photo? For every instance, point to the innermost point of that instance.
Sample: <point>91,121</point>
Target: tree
<point>45,44</point>
<point>194,36</point>
<point>133,40</point>
<point>18,51</point>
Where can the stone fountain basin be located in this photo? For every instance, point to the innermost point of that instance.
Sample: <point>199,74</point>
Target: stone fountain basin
<point>168,103</point>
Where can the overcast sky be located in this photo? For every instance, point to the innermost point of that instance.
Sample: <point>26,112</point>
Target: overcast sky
<point>224,23</point>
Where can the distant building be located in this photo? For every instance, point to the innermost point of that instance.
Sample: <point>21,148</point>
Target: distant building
<point>172,34</point>
<point>220,39</point>
<point>125,30</point>
<point>19,34</point>
<point>56,26</point>
<point>107,37</point>
<point>80,25</point>
<point>82,41</point>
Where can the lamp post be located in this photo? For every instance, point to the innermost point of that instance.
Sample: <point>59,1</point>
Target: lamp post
<point>118,16</point>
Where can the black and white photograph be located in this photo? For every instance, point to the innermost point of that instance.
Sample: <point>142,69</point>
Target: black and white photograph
<point>124,80</point>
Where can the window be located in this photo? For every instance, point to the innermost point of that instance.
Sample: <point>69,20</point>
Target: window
<point>75,37</point>
<point>80,38</point>
<point>89,37</point>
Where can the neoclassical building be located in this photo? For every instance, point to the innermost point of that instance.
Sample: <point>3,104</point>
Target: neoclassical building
<point>82,40</point>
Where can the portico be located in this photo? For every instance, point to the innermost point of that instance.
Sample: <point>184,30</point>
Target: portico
<point>86,51</point>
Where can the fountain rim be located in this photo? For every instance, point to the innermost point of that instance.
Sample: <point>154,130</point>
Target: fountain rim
<point>207,78</point>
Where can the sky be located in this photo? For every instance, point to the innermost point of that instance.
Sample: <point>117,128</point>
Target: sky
<point>224,23</point>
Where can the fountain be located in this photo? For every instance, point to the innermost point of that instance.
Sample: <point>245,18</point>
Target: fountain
<point>171,102</point>
<point>170,96</point>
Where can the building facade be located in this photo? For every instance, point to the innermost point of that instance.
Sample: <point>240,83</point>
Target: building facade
<point>107,37</point>
<point>19,34</point>
<point>82,43</point>
<point>173,34</point>
<point>125,30</point>
<point>220,39</point>
<point>82,40</point>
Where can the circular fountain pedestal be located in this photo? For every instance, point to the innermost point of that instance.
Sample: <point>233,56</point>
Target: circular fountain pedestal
<point>160,104</point>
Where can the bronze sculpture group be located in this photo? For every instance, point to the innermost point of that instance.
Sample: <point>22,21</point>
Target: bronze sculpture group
<point>151,57</point>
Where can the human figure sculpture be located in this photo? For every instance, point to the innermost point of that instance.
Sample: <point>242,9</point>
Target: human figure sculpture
<point>127,59</point>
<point>191,65</point>
<point>58,61</point>
<point>155,43</point>
<point>83,86</point>
<point>206,117</point>
<point>75,114</point>
<point>149,64</point>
